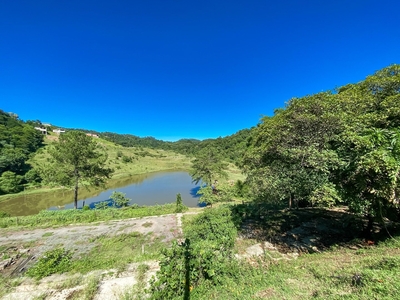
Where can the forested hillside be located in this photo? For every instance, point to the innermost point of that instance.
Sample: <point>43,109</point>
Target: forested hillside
<point>18,140</point>
<point>230,147</point>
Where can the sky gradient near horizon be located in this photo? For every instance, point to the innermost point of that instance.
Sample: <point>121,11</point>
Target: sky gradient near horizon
<point>176,69</point>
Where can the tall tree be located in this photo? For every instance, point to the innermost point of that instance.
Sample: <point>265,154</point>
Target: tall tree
<point>77,160</point>
<point>290,155</point>
<point>208,166</point>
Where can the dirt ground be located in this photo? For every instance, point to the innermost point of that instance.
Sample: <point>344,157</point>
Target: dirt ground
<point>28,245</point>
<point>76,237</point>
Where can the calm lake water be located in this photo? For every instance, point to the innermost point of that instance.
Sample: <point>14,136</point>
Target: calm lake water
<point>145,189</point>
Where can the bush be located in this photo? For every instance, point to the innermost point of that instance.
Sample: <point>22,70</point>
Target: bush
<point>206,255</point>
<point>101,205</point>
<point>126,159</point>
<point>119,199</point>
<point>10,182</point>
<point>32,176</point>
<point>53,261</point>
<point>3,214</point>
<point>180,207</point>
<point>214,225</point>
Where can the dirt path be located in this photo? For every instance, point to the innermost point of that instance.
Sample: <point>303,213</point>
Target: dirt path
<point>77,238</point>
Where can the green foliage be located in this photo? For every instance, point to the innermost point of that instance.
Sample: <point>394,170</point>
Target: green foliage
<point>53,261</point>
<point>4,214</point>
<point>10,182</point>
<point>102,205</point>
<point>208,166</point>
<point>33,176</point>
<point>119,199</point>
<point>17,141</point>
<point>205,256</point>
<point>215,193</point>
<point>241,189</point>
<point>230,147</point>
<point>180,207</point>
<point>214,225</point>
<point>127,159</point>
<point>325,196</point>
<point>331,146</point>
<point>77,160</point>
<point>206,195</point>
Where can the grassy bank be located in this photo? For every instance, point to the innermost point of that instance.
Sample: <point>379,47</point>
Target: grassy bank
<point>48,218</point>
<point>341,266</point>
<point>368,273</point>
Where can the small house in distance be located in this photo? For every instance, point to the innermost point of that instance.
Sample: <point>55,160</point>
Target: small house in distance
<point>92,135</point>
<point>58,131</point>
<point>43,130</point>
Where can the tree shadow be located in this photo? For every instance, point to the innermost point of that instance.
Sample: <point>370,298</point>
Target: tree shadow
<point>301,230</point>
<point>193,192</point>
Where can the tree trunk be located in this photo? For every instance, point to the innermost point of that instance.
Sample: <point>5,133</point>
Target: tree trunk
<point>368,229</point>
<point>76,193</point>
<point>290,200</point>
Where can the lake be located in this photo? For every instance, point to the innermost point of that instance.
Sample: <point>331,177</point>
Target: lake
<point>144,189</point>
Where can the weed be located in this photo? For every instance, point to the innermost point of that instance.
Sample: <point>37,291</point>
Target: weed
<point>47,234</point>
<point>147,224</point>
<point>91,288</point>
<point>118,251</point>
<point>41,296</point>
<point>53,261</point>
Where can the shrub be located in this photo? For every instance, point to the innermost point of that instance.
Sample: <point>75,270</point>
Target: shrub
<point>101,205</point>
<point>119,199</point>
<point>180,207</point>
<point>126,159</point>
<point>54,261</point>
<point>3,214</point>
<point>206,255</point>
<point>214,225</point>
<point>10,182</point>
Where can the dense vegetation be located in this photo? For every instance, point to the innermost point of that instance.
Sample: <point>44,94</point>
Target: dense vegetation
<point>341,146</point>
<point>18,140</point>
<point>230,148</point>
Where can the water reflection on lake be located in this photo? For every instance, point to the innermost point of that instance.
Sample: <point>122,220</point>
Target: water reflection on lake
<point>145,189</point>
<point>156,188</point>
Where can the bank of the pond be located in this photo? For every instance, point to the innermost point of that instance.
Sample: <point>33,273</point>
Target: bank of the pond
<point>48,218</point>
<point>165,185</point>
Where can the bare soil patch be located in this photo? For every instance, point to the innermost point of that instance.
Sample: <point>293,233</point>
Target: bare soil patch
<point>21,248</point>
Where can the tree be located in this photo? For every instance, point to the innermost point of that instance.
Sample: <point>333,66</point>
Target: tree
<point>77,161</point>
<point>208,166</point>
<point>290,154</point>
<point>119,199</point>
<point>10,182</point>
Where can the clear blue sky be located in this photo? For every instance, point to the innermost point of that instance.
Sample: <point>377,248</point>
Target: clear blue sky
<point>184,69</point>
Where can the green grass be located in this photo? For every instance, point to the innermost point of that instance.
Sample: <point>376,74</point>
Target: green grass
<point>118,251</point>
<point>337,274</point>
<point>144,160</point>
<point>65,217</point>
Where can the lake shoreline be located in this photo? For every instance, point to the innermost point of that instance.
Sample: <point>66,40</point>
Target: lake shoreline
<point>119,177</point>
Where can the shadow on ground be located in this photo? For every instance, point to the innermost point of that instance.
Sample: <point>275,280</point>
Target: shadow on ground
<point>305,229</point>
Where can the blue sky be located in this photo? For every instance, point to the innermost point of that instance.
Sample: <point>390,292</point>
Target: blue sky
<point>184,69</point>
